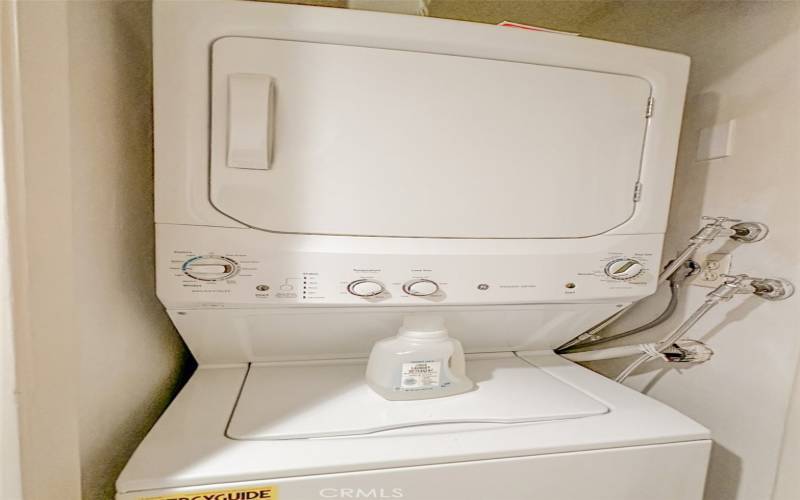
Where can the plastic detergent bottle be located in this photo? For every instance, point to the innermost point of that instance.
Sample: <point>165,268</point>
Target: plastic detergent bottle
<point>420,362</point>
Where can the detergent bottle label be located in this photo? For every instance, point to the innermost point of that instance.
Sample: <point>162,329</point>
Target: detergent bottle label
<point>422,375</point>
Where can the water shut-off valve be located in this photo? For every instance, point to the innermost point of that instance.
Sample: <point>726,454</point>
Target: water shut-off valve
<point>766,288</point>
<point>742,232</point>
<point>693,351</point>
<point>745,232</point>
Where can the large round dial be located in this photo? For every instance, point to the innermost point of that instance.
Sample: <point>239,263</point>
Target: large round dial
<point>420,287</point>
<point>365,288</point>
<point>624,269</point>
<point>210,268</point>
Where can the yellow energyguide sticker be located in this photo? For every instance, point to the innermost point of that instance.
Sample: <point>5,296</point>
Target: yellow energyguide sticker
<point>262,493</point>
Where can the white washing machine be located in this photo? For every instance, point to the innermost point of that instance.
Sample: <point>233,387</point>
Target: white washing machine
<point>321,173</point>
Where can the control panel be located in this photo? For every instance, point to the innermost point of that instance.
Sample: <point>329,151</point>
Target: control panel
<point>241,269</point>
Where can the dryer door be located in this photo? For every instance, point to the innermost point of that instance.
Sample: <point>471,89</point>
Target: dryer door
<point>316,138</point>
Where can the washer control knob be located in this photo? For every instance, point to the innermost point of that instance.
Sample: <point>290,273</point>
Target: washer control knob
<point>210,268</point>
<point>624,269</point>
<point>420,287</point>
<point>365,288</point>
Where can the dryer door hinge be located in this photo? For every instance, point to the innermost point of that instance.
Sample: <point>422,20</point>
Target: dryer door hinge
<point>651,104</point>
<point>637,192</point>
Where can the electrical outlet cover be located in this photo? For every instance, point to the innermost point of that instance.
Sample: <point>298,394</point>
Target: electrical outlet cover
<point>715,142</point>
<point>712,267</point>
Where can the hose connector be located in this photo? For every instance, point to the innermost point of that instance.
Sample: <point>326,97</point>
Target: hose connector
<point>766,288</point>
<point>772,288</point>
<point>734,284</point>
<point>749,232</point>
<point>743,232</point>
<point>688,351</point>
<point>713,229</point>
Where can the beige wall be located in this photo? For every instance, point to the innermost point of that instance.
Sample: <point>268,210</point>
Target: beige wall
<point>99,359</point>
<point>131,358</point>
<point>787,484</point>
<point>746,61</point>
<point>41,231</point>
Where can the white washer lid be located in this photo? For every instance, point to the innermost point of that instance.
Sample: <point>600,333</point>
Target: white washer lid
<point>329,398</point>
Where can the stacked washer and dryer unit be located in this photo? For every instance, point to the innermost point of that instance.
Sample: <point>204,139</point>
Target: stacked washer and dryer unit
<point>322,173</point>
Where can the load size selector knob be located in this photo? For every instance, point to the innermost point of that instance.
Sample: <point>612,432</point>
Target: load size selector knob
<point>210,268</point>
<point>420,287</point>
<point>365,288</point>
<point>624,269</point>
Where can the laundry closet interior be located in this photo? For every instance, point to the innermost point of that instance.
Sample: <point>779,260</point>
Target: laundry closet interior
<point>420,249</point>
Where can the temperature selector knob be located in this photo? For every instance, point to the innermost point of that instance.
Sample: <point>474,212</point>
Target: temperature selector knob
<point>420,287</point>
<point>624,269</point>
<point>210,268</point>
<point>365,288</point>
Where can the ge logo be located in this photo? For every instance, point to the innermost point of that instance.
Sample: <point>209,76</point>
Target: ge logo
<point>483,286</point>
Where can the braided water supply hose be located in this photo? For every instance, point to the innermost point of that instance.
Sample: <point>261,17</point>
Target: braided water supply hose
<point>765,288</point>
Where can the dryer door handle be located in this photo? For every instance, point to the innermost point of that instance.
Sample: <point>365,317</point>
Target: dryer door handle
<point>251,111</point>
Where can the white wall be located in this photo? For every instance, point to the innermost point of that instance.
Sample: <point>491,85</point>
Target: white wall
<point>89,325</point>
<point>99,359</point>
<point>746,59</point>
<point>10,478</point>
<point>746,66</point>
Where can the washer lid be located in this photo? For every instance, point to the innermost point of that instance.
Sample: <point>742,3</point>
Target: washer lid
<point>318,138</point>
<point>330,398</point>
